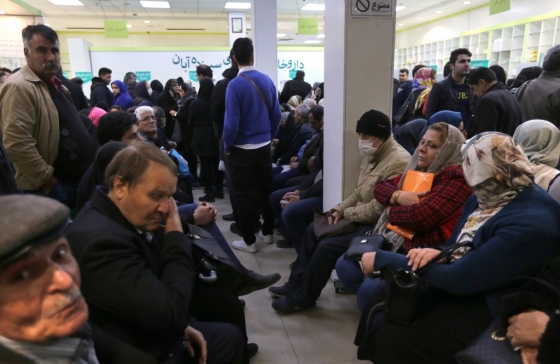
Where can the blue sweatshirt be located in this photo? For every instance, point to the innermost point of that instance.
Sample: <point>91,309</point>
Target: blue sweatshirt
<point>247,119</point>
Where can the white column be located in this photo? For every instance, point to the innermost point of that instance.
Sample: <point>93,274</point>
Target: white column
<point>80,59</point>
<point>263,25</point>
<point>358,77</point>
<point>233,36</point>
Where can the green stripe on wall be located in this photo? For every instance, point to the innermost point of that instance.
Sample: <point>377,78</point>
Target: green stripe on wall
<point>172,49</point>
<point>25,5</point>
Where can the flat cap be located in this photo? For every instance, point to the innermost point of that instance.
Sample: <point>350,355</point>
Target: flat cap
<point>27,221</point>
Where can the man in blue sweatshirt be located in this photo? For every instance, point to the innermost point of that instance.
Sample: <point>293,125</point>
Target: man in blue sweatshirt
<point>251,121</point>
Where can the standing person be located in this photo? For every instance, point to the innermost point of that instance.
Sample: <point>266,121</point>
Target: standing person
<point>168,101</point>
<point>76,93</point>
<point>143,93</point>
<point>526,74</point>
<point>157,90</point>
<point>453,93</point>
<point>251,121</point>
<point>404,91</point>
<point>44,136</point>
<point>122,97</point>
<point>188,94</point>
<point>99,90</point>
<point>421,87</point>
<point>203,70</point>
<point>130,82</point>
<point>403,75</point>
<point>294,87</point>
<point>500,73</point>
<point>204,141</point>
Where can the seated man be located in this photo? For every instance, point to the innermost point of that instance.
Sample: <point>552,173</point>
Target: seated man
<point>148,130</point>
<point>304,131</point>
<point>138,278</point>
<point>117,126</point>
<point>43,315</point>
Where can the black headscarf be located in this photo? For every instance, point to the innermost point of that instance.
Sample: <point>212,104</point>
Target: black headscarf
<point>500,73</point>
<point>141,90</point>
<point>168,102</point>
<point>157,90</point>
<point>526,74</point>
<point>206,89</point>
<point>168,90</point>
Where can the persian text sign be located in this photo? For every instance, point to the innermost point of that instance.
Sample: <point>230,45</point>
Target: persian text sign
<point>376,9</point>
<point>499,6</point>
<point>308,26</point>
<point>115,29</point>
<point>85,76</point>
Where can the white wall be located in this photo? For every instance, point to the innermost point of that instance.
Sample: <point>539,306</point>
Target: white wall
<point>11,45</point>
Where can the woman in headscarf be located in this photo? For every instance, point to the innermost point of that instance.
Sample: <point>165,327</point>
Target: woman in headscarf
<point>540,140</point>
<point>525,75</point>
<point>286,132</point>
<point>449,117</point>
<point>432,218</point>
<point>143,93</point>
<point>421,86</point>
<point>122,98</point>
<point>130,82</point>
<point>184,147</point>
<point>95,114</point>
<point>408,135</point>
<point>500,73</point>
<point>204,141</point>
<point>157,90</point>
<point>294,102</point>
<point>168,101</point>
<point>510,229</point>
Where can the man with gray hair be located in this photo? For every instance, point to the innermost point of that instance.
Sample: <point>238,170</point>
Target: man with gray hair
<point>148,130</point>
<point>46,139</point>
<point>541,96</point>
<point>304,132</point>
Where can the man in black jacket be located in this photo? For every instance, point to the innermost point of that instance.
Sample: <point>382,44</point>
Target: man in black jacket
<point>453,93</point>
<point>76,93</point>
<point>295,87</point>
<point>137,277</point>
<point>99,90</point>
<point>497,108</point>
<point>8,184</point>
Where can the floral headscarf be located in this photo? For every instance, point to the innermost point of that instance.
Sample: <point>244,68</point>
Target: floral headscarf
<point>422,81</point>
<point>496,168</point>
<point>293,102</point>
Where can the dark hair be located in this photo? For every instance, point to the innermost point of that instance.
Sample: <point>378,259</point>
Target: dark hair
<point>128,78</point>
<point>2,74</point>
<point>447,69</point>
<point>481,73</point>
<point>184,87</point>
<point>77,81</point>
<point>300,74</point>
<point>16,69</point>
<point>417,68</point>
<point>405,70</point>
<point>159,112</point>
<point>118,107</point>
<point>132,109</point>
<point>102,105</point>
<point>133,161</point>
<point>204,70</point>
<point>456,53</point>
<point>243,50</point>
<point>4,69</point>
<point>317,112</point>
<point>500,73</point>
<point>114,125</point>
<point>442,128</point>
<point>552,59</point>
<point>103,71</point>
<point>47,33</point>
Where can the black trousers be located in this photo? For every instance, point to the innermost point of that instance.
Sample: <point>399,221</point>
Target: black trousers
<point>224,342</point>
<point>250,174</point>
<point>316,260</point>
<point>210,172</point>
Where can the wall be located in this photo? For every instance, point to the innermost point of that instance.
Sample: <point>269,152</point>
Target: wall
<point>10,39</point>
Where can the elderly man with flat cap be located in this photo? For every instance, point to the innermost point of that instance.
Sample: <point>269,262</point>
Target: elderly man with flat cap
<point>43,315</point>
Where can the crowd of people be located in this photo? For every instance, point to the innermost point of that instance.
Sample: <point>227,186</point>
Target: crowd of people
<point>105,259</point>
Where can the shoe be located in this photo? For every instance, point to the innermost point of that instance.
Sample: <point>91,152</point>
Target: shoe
<point>241,245</point>
<point>292,265</point>
<point>256,282</point>
<point>282,291</point>
<point>252,350</point>
<point>219,195</point>
<point>228,217</point>
<point>284,244</point>
<point>207,197</point>
<point>234,229</point>
<point>242,302</point>
<point>266,238</point>
<point>290,304</point>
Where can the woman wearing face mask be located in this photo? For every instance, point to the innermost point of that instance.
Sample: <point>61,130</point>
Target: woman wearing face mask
<point>143,93</point>
<point>383,158</point>
<point>432,219</point>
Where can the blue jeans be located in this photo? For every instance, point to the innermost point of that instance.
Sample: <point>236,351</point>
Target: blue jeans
<point>368,290</point>
<point>275,199</point>
<point>279,180</point>
<point>213,229</point>
<point>297,216</point>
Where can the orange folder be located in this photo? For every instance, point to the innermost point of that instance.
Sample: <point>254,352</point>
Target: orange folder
<point>414,181</point>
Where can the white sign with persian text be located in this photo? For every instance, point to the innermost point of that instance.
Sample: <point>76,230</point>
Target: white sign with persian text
<point>11,46</point>
<point>370,8</point>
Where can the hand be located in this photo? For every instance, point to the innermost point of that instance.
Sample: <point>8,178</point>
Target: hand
<point>173,113</point>
<point>411,198</point>
<point>291,199</point>
<point>173,222</point>
<point>334,218</point>
<point>196,338</point>
<point>204,214</point>
<point>529,355</point>
<point>420,257</point>
<point>527,328</point>
<point>293,159</point>
<point>294,165</point>
<point>288,194</point>
<point>228,154</point>
<point>367,263</point>
<point>310,162</point>
<point>275,141</point>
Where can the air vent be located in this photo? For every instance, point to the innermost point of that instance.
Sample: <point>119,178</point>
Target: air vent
<point>191,29</point>
<point>285,40</point>
<point>78,28</point>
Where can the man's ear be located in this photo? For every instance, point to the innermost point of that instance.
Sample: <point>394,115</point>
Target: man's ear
<point>26,52</point>
<point>119,188</point>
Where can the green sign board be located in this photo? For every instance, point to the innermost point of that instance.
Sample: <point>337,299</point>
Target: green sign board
<point>308,26</point>
<point>192,76</point>
<point>143,75</point>
<point>293,74</point>
<point>499,6</point>
<point>85,76</point>
<point>115,29</point>
<point>65,74</point>
<point>432,67</point>
<point>480,63</point>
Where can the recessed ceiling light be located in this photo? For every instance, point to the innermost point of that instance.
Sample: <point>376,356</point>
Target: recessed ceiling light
<point>2,12</point>
<point>129,26</point>
<point>280,35</point>
<point>321,36</point>
<point>67,2</point>
<point>48,25</point>
<point>466,2</point>
<point>230,5</point>
<point>320,28</point>
<point>312,41</point>
<point>400,7</point>
<point>401,24</point>
<point>147,21</point>
<point>155,4</point>
<point>420,18</point>
<point>314,7</point>
<point>439,12</point>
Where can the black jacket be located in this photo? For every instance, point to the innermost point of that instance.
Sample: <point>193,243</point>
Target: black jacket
<point>204,141</point>
<point>219,100</point>
<point>442,97</point>
<point>309,152</point>
<point>297,86</point>
<point>285,135</point>
<point>308,187</point>
<point>304,132</point>
<point>168,103</point>
<point>8,184</point>
<point>76,93</point>
<point>496,110</point>
<point>137,291</point>
<point>100,93</point>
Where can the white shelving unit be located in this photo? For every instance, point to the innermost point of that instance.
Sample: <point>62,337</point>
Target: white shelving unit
<point>512,47</point>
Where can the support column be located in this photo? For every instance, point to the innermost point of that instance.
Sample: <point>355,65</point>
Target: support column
<point>264,27</point>
<point>80,61</point>
<point>235,25</point>
<point>359,55</point>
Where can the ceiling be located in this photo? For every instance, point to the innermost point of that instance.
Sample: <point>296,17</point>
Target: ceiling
<point>210,16</point>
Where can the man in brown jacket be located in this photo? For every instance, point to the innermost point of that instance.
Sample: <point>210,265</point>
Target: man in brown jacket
<point>45,137</point>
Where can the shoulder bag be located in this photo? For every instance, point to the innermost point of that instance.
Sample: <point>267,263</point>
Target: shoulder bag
<point>366,244</point>
<point>258,90</point>
<point>400,117</point>
<point>324,230</point>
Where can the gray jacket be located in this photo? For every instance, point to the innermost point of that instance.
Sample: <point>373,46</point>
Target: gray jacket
<point>541,99</point>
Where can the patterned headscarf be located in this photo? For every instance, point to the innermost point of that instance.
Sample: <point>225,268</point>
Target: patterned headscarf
<point>293,102</point>
<point>422,81</point>
<point>496,168</point>
<point>540,140</point>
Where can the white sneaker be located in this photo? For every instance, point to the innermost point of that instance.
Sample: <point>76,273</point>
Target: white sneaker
<point>241,245</point>
<point>266,238</point>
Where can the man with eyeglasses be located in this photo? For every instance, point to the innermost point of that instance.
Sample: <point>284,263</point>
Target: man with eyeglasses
<point>453,93</point>
<point>148,129</point>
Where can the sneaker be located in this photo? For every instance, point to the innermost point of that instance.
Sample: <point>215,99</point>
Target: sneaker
<point>266,238</point>
<point>284,244</point>
<point>207,197</point>
<point>282,291</point>
<point>290,304</point>
<point>228,217</point>
<point>241,245</point>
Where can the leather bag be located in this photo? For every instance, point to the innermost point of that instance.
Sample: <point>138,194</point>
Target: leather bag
<point>324,230</point>
<point>366,244</point>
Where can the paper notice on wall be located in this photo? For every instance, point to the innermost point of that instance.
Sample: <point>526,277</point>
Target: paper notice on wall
<point>11,46</point>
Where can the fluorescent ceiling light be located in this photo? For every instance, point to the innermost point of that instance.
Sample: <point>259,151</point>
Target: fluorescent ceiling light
<point>312,41</point>
<point>155,4</point>
<point>467,2</point>
<point>320,28</point>
<point>129,26</point>
<point>230,5</point>
<point>400,7</point>
<point>314,7</point>
<point>2,12</point>
<point>321,36</point>
<point>67,2</point>
<point>147,21</point>
<point>439,12</point>
<point>419,18</point>
<point>401,24</point>
<point>280,35</point>
<point>48,25</point>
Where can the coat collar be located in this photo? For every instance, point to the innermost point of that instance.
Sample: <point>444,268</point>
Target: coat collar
<point>101,201</point>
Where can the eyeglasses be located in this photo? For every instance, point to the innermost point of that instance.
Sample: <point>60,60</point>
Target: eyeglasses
<point>148,118</point>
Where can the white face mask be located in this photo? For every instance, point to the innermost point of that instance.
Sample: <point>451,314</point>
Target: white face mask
<point>150,91</point>
<point>366,147</point>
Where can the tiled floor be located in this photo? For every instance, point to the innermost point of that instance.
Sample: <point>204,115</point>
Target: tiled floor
<point>325,335</point>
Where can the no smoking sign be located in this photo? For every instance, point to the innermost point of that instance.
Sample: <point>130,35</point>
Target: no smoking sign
<point>372,8</point>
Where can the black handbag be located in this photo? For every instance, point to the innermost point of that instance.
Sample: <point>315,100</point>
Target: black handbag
<point>401,116</point>
<point>366,244</point>
<point>408,296</point>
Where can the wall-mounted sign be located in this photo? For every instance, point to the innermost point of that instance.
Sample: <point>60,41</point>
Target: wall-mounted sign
<point>192,76</point>
<point>432,67</point>
<point>499,6</point>
<point>376,9</point>
<point>236,25</point>
<point>308,26</point>
<point>65,74</point>
<point>480,63</point>
<point>85,76</point>
<point>115,29</point>
<point>293,74</point>
<point>143,76</point>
